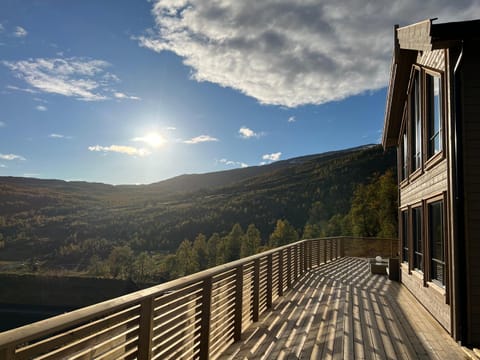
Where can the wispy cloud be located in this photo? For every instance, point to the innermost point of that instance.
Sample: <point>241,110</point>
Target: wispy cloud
<point>16,88</point>
<point>200,139</point>
<point>247,133</point>
<point>11,157</point>
<point>311,54</point>
<point>80,78</point>
<point>20,32</point>
<point>292,119</point>
<point>59,136</point>
<point>233,163</point>
<point>41,108</point>
<point>3,166</point>
<point>120,95</point>
<point>2,124</point>
<point>272,156</point>
<point>2,28</point>
<point>122,149</point>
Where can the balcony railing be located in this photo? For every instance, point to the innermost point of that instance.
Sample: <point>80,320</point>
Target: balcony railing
<point>197,316</point>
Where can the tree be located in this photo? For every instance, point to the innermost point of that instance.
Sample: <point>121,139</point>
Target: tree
<point>212,248</point>
<point>251,241</point>
<point>200,251</point>
<point>234,242</point>
<point>145,267</point>
<point>120,262</point>
<point>186,261</point>
<point>283,234</point>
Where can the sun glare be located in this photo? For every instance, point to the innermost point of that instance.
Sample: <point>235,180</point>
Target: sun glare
<point>152,139</point>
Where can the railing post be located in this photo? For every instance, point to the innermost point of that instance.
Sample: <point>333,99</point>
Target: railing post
<point>289,267</point>
<point>319,260</point>
<point>342,247</point>
<point>237,332</point>
<point>205,320</point>
<point>8,353</point>
<point>295,261</point>
<point>280,273</point>
<point>269,280</point>
<point>325,251</point>
<point>145,329</point>
<point>256,289</point>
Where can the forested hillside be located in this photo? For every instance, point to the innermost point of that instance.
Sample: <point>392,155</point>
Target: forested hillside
<point>47,225</point>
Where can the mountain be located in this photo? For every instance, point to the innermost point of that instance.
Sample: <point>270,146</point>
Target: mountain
<point>64,223</point>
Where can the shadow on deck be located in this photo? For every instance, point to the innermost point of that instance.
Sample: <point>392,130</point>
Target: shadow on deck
<point>339,310</point>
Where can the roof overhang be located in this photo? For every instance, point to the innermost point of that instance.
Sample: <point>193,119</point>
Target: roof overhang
<point>408,42</point>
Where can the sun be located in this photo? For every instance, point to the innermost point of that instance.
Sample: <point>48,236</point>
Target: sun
<point>152,139</point>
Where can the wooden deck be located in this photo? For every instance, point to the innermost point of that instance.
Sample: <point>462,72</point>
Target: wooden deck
<point>340,311</point>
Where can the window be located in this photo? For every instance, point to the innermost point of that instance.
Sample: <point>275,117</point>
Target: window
<point>416,123</point>
<point>404,236</point>
<point>404,156</point>
<point>437,242</point>
<point>434,113</point>
<point>417,238</point>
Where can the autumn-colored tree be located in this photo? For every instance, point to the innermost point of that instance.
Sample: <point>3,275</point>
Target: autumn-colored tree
<point>283,234</point>
<point>120,262</point>
<point>251,241</point>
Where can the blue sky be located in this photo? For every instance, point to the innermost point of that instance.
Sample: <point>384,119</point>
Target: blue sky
<point>127,92</point>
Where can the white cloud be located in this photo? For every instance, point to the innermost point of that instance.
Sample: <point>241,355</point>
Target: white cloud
<point>2,124</point>
<point>292,119</point>
<point>233,163</point>
<point>290,53</point>
<point>2,28</point>
<point>272,156</point>
<point>247,133</point>
<point>16,88</point>
<point>80,78</point>
<point>129,150</point>
<point>11,157</point>
<point>41,108</point>
<point>20,32</point>
<point>3,166</point>
<point>200,139</point>
<point>120,95</point>
<point>171,128</point>
<point>59,136</point>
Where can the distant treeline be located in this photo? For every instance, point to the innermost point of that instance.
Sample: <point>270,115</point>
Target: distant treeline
<point>158,232</point>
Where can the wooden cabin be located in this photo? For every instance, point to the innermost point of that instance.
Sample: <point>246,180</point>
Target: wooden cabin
<point>433,118</point>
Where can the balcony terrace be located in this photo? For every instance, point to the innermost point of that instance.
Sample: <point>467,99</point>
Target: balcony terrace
<point>312,299</point>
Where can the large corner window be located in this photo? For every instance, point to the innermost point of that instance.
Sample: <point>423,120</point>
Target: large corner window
<point>416,122</point>
<point>404,236</point>
<point>417,238</point>
<point>433,88</point>
<point>437,242</point>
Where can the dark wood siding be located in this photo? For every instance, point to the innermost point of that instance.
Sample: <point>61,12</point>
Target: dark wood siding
<point>471,151</point>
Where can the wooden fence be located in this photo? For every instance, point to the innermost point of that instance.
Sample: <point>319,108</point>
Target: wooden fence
<point>194,317</point>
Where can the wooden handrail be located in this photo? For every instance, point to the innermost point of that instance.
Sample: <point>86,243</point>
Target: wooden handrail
<point>195,316</point>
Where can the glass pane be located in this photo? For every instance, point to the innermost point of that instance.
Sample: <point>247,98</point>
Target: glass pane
<point>434,113</point>
<point>436,234</point>
<point>417,238</point>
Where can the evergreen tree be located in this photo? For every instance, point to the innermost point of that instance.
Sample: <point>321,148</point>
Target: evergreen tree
<point>212,247</point>
<point>283,234</point>
<point>185,259</point>
<point>234,242</point>
<point>200,251</point>
<point>251,241</point>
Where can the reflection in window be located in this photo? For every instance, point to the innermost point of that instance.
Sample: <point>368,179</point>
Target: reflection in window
<point>434,113</point>
<point>416,123</point>
<point>405,236</point>
<point>437,242</point>
<point>417,238</point>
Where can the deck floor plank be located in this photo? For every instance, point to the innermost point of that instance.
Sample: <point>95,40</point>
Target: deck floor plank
<point>339,310</point>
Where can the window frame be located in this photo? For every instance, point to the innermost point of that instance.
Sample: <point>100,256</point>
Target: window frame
<point>434,158</point>
<point>415,124</point>
<point>404,236</point>
<point>432,201</point>
<point>414,265</point>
